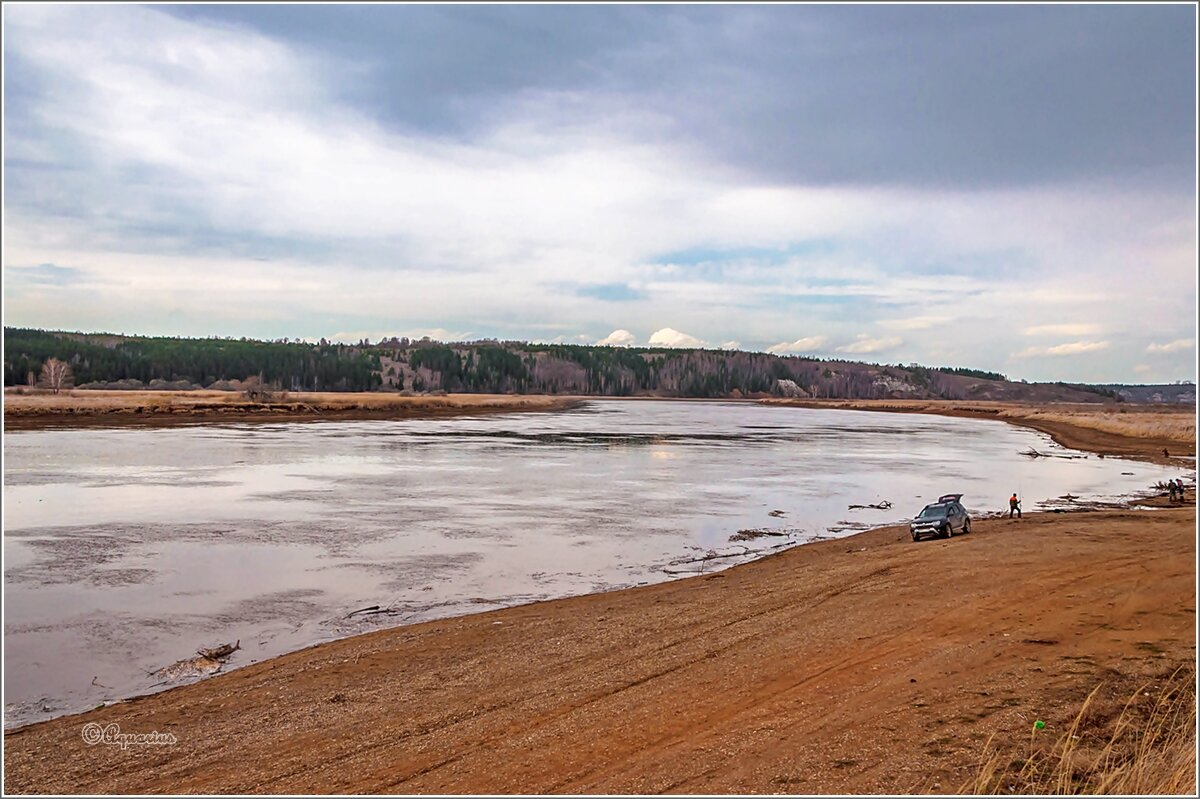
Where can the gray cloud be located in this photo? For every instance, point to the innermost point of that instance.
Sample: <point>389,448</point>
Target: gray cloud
<point>44,274</point>
<point>932,95</point>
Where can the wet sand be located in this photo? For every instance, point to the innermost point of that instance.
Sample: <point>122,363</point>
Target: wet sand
<point>865,664</point>
<point>89,408</point>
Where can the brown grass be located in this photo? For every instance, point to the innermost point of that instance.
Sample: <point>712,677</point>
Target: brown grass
<point>1121,421</point>
<point>1149,748</point>
<point>79,403</point>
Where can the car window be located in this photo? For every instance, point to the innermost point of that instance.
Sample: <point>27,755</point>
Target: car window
<point>933,511</point>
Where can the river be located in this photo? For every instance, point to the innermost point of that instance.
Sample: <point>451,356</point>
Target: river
<point>129,548</point>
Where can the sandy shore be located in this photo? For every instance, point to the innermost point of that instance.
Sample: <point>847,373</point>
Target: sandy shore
<point>866,664</point>
<point>85,408</point>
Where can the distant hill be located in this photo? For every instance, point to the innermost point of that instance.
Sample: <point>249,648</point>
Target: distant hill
<point>113,361</point>
<point>1165,392</point>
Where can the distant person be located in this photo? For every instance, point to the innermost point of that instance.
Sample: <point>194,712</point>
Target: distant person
<point>1173,489</point>
<point>1014,506</point>
<point>1165,453</point>
<point>1179,488</point>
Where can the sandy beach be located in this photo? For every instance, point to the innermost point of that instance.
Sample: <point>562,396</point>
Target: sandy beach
<point>862,665</point>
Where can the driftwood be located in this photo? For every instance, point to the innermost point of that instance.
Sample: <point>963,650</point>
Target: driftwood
<point>220,652</point>
<point>703,561</point>
<point>1033,453</point>
<point>206,662</point>
<point>758,532</point>
<point>885,505</point>
<point>710,555</point>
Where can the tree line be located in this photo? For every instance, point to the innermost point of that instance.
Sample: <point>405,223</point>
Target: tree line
<point>295,366</point>
<point>488,366</point>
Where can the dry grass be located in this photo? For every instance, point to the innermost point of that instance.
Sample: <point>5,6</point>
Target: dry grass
<point>1149,748</point>
<point>1179,426</point>
<point>101,401</point>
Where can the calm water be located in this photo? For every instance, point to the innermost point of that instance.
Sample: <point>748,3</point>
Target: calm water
<point>127,549</point>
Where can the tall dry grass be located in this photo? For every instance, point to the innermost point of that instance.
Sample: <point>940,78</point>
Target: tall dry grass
<point>1175,426</point>
<point>1149,749</point>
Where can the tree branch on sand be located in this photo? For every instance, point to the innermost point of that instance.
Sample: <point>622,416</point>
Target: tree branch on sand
<point>1033,453</point>
<point>885,505</point>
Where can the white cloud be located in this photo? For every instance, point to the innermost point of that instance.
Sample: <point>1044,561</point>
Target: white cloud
<point>578,338</point>
<point>807,344</point>
<point>1073,348</point>
<point>667,337</point>
<point>865,345</point>
<point>1143,368</point>
<point>1077,329</point>
<point>618,338</point>
<point>1171,346</point>
<point>730,345</point>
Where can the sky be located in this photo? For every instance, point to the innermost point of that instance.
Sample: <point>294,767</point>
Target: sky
<point>1002,187</point>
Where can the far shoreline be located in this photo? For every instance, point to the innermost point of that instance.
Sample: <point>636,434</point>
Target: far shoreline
<point>84,408</point>
<point>1137,432</point>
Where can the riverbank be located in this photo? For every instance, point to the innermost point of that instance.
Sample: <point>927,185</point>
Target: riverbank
<point>867,664</point>
<point>1124,430</point>
<point>89,408</point>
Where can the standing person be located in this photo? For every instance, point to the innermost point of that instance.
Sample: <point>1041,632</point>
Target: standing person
<point>1171,486</point>
<point>1014,506</point>
<point>1179,487</point>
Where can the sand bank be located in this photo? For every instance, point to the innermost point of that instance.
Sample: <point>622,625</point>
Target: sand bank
<point>80,407</point>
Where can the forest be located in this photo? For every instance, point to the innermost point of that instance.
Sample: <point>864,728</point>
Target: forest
<point>494,367</point>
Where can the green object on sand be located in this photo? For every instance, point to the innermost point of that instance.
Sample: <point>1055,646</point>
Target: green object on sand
<point>1039,724</point>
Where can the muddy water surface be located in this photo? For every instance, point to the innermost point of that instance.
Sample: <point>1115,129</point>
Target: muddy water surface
<point>128,549</point>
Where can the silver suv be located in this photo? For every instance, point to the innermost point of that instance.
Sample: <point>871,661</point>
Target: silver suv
<point>942,518</point>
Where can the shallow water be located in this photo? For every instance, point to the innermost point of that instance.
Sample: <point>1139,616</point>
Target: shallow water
<point>128,549</point>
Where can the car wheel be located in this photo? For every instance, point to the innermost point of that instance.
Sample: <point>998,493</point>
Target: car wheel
<point>948,530</point>
<point>966,526</point>
<point>915,537</point>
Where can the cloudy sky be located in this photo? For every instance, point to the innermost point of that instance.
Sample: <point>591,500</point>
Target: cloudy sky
<point>1002,187</point>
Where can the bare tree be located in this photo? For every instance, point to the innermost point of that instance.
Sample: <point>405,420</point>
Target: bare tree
<point>255,390</point>
<point>56,375</point>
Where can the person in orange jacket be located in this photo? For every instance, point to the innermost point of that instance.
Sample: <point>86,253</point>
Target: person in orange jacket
<point>1014,506</point>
